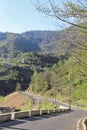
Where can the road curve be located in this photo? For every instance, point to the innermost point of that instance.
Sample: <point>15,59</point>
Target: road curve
<point>40,98</point>
<point>64,121</point>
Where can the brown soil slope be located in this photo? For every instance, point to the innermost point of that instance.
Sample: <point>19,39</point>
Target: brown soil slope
<point>16,100</point>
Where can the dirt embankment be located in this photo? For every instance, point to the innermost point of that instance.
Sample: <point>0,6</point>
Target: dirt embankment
<point>16,100</point>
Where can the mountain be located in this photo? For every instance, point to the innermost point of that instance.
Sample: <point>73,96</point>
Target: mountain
<point>19,56</point>
<point>11,44</point>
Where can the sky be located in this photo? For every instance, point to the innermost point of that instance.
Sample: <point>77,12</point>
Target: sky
<point>20,15</point>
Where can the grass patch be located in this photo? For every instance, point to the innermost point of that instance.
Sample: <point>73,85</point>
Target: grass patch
<point>47,105</point>
<point>28,105</point>
<point>1,99</point>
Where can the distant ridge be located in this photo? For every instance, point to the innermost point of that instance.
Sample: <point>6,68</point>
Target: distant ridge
<point>12,44</point>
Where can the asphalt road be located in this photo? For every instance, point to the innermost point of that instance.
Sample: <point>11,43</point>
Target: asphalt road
<point>39,99</point>
<point>63,121</point>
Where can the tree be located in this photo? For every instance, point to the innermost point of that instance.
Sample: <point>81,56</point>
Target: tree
<point>73,13</point>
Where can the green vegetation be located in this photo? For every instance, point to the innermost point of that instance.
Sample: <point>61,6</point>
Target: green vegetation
<point>15,74</point>
<point>69,79</point>
<point>47,105</point>
<point>28,105</point>
<point>44,42</point>
<point>58,80</point>
<point>47,74</point>
<point>1,99</point>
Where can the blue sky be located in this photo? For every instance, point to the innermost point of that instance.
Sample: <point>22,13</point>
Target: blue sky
<point>20,16</point>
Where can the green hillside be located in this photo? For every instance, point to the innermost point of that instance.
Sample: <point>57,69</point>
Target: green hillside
<point>63,81</point>
<point>16,73</point>
<point>56,42</point>
<point>45,62</point>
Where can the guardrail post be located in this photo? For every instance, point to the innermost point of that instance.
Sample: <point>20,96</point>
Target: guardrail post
<point>12,115</point>
<point>26,114</point>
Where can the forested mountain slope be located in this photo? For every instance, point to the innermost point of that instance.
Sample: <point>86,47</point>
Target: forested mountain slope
<point>11,44</point>
<point>22,54</point>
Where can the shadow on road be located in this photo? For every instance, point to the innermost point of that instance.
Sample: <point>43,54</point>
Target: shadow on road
<point>12,124</point>
<point>46,116</point>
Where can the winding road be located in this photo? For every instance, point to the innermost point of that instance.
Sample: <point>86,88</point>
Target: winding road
<point>60,121</point>
<point>64,121</point>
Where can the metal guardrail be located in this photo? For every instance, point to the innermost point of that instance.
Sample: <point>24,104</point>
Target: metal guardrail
<point>26,114</point>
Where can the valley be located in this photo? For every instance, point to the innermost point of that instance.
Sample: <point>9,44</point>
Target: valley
<point>44,63</point>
